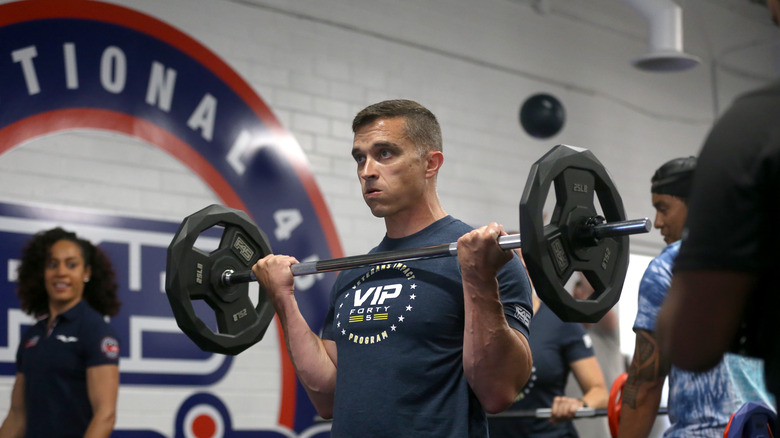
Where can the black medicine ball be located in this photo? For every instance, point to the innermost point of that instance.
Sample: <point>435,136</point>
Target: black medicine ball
<point>542,115</point>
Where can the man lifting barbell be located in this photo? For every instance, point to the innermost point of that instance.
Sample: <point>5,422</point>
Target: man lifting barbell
<point>461,343</point>
<point>417,348</point>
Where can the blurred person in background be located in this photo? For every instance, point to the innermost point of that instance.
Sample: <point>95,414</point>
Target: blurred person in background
<point>67,378</point>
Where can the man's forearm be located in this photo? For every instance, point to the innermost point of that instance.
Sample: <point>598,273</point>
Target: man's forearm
<point>496,358</point>
<point>642,391</point>
<point>313,366</point>
<point>639,408</point>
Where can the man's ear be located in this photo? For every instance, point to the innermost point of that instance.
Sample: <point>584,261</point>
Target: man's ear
<point>433,163</point>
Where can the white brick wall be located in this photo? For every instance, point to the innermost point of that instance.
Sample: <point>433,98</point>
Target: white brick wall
<point>317,62</point>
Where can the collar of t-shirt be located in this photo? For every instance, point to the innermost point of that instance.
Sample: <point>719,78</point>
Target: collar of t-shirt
<point>69,314</point>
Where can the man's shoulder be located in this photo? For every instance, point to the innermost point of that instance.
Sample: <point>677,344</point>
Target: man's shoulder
<point>445,230</point>
<point>670,251</point>
<point>658,275</point>
<point>662,263</point>
<point>453,223</point>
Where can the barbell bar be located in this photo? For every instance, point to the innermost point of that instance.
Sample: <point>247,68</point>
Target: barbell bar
<point>547,413</point>
<point>511,241</point>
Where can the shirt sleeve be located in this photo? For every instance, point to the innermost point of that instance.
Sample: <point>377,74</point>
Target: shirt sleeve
<point>515,290</point>
<point>578,344</point>
<point>653,287</point>
<point>101,345</point>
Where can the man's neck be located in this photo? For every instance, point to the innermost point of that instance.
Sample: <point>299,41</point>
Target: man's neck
<point>409,222</point>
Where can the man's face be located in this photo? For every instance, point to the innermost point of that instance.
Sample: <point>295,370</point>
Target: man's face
<point>392,174</point>
<point>670,214</point>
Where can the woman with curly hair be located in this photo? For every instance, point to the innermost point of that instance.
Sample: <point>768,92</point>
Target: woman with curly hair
<point>67,378</point>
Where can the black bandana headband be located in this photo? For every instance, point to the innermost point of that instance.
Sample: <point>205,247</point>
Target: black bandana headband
<point>674,177</point>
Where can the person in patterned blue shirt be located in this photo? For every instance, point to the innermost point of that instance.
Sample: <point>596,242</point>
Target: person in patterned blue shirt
<point>700,404</point>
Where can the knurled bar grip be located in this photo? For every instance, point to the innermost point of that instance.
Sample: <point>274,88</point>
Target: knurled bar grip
<point>547,413</point>
<point>511,241</point>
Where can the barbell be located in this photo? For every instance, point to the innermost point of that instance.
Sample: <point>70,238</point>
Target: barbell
<point>612,412</point>
<point>581,413</point>
<point>578,238</point>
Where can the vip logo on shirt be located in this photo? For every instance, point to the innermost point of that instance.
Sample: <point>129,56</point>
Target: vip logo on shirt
<point>67,339</point>
<point>380,294</point>
<point>376,309</point>
<point>367,315</point>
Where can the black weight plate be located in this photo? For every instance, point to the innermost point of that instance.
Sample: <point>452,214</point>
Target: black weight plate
<point>235,316</point>
<point>192,274</point>
<point>553,252</point>
<point>197,285</point>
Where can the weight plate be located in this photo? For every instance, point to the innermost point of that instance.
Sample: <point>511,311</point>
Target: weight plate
<point>193,274</point>
<point>554,251</point>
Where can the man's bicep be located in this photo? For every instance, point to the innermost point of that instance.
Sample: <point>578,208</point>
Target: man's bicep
<point>330,348</point>
<point>648,363</point>
<point>648,368</point>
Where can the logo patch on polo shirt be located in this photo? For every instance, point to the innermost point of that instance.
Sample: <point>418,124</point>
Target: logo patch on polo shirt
<point>587,340</point>
<point>110,347</point>
<point>32,342</point>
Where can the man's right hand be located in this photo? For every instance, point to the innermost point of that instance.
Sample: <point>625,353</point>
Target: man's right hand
<point>274,275</point>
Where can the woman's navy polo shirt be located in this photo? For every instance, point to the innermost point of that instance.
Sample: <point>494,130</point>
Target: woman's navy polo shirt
<point>55,370</point>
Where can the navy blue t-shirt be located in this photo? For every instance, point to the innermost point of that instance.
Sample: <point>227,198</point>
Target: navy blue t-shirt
<point>554,345</point>
<point>55,370</point>
<point>399,332</point>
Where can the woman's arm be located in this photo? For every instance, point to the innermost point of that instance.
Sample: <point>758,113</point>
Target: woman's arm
<point>14,424</point>
<point>588,374</point>
<point>591,380</point>
<point>103,391</point>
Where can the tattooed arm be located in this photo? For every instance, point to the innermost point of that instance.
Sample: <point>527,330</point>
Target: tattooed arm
<point>642,392</point>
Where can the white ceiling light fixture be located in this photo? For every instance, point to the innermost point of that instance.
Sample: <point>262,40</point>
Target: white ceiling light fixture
<point>666,44</point>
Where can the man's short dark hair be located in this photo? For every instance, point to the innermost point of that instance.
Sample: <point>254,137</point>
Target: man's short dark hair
<point>421,126</point>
